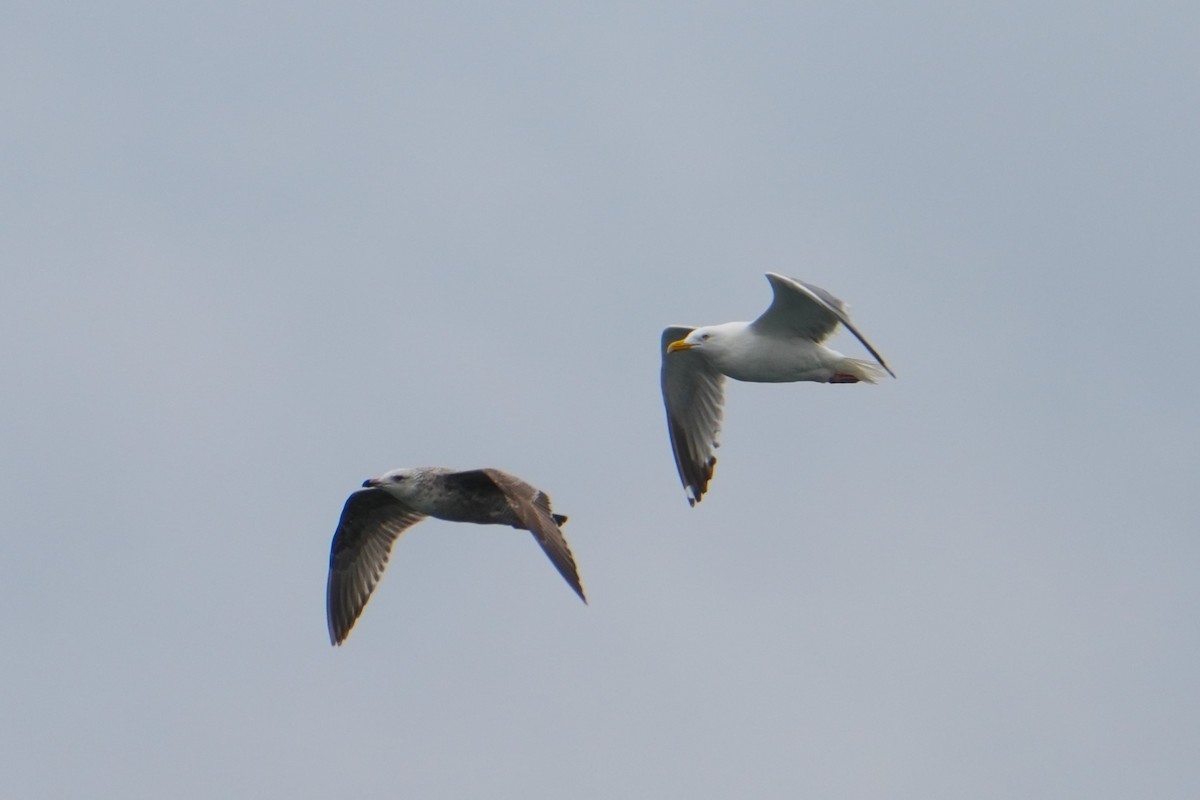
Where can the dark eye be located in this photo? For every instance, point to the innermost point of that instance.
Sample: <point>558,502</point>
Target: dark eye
<point>704,337</point>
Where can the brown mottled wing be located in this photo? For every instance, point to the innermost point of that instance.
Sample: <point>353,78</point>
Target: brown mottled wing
<point>693,395</point>
<point>371,520</point>
<point>802,309</point>
<point>532,507</point>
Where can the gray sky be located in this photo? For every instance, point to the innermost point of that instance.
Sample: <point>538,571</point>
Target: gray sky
<point>256,253</point>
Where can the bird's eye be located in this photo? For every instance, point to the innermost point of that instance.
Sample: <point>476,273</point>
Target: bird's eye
<point>704,337</point>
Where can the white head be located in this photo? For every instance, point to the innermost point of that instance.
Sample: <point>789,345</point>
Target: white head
<point>398,482</point>
<point>713,338</point>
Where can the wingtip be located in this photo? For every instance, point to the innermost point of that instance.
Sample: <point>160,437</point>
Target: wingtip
<point>695,493</point>
<point>577,586</point>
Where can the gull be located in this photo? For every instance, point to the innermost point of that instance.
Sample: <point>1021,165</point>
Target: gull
<point>783,345</point>
<point>375,516</point>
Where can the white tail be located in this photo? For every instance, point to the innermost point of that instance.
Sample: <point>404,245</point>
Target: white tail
<point>863,370</point>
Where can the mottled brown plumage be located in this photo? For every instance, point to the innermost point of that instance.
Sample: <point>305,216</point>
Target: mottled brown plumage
<point>374,517</point>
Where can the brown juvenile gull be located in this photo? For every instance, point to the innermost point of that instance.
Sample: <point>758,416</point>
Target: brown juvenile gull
<point>374,517</point>
<point>782,345</point>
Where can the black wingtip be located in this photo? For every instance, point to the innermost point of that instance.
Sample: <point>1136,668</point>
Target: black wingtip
<point>337,635</point>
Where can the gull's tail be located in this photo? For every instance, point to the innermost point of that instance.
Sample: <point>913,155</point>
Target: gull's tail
<point>559,519</point>
<point>863,370</point>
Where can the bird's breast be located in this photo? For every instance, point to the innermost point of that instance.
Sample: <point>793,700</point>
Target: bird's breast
<point>776,361</point>
<point>482,508</point>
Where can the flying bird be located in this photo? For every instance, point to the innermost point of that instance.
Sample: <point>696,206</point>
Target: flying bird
<point>784,344</point>
<point>375,516</point>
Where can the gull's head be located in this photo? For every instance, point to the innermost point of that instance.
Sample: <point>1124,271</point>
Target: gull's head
<point>396,479</point>
<point>696,340</point>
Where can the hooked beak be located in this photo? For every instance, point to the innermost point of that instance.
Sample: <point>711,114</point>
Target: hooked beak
<point>370,483</point>
<point>680,345</point>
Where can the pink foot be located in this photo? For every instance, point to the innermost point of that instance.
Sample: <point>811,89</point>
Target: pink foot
<point>843,377</point>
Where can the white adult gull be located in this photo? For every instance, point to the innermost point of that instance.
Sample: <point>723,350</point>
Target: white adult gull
<point>784,344</point>
<point>375,516</point>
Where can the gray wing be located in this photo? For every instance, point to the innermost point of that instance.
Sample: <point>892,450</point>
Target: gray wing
<point>802,309</point>
<point>371,520</point>
<point>532,507</point>
<point>693,395</point>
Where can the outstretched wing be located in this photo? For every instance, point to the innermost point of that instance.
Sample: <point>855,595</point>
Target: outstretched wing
<point>802,309</point>
<point>693,395</point>
<point>532,507</point>
<point>371,521</point>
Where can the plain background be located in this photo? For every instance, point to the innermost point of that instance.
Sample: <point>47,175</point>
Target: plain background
<point>255,253</point>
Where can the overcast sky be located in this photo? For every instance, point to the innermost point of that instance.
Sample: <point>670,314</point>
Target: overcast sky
<point>255,253</point>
